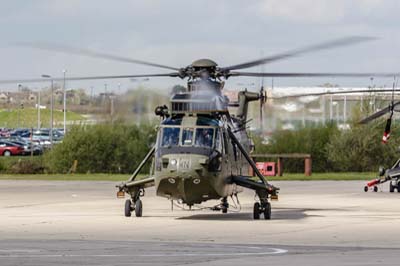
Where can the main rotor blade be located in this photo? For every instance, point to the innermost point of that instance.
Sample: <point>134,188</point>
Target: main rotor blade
<point>312,48</point>
<point>87,78</point>
<point>375,115</point>
<point>379,113</point>
<point>331,93</point>
<point>312,75</point>
<point>86,52</point>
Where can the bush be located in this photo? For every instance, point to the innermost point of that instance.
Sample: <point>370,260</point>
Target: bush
<point>360,148</point>
<point>27,166</point>
<point>311,140</point>
<point>22,165</point>
<point>355,150</point>
<point>102,148</point>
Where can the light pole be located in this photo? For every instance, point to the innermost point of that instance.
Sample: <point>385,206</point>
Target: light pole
<point>51,109</point>
<point>65,103</point>
<point>38,112</point>
<point>19,104</point>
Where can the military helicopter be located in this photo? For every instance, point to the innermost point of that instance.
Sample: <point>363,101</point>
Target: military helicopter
<point>202,151</point>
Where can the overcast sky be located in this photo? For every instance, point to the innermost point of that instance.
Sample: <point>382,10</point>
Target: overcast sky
<point>178,32</point>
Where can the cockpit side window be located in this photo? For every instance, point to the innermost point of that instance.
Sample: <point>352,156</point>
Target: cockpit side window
<point>204,137</point>
<point>170,136</point>
<point>218,143</point>
<point>225,139</point>
<point>187,136</point>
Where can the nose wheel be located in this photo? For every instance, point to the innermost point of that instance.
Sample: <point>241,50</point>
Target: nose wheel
<point>128,208</point>
<point>262,208</point>
<point>137,206</point>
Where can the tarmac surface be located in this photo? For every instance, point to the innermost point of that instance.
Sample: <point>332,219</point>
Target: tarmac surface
<point>82,223</point>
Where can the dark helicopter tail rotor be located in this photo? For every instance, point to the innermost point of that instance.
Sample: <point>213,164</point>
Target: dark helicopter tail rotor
<point>390,109</point>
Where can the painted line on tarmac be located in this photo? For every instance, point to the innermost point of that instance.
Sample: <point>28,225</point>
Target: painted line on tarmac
<point>272,251</point>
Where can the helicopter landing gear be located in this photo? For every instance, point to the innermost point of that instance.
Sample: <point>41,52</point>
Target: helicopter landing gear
<point>391,187</point>
<point>138,208</point>
<point>134,204</point>
<point>224,205</point>
<point>128,208</point>
<point>262,208</point>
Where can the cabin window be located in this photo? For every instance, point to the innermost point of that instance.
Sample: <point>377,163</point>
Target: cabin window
<point>187,136</point>
<point>226,146</point>
<point>204,137</point>
<point>218,143</point>
<point>170,136</point>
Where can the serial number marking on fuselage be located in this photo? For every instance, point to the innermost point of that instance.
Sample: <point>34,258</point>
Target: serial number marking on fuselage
<point>185,164</point>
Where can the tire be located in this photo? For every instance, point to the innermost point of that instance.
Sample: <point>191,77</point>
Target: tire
<point>256,211</point>
<point>6,153</point>
<point>138,208</point>
<point>375,189</point>
<point>398,187</point>
<point>391,187</point>
<point>366,189</point>
<point>128,208</point>
<point>224,210</point>
<point>267,211</point>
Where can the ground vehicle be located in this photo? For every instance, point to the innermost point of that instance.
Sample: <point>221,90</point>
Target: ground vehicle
<point>43,136</point>
<point>28,147</point>
<point>391,175</point>
<point>8,148</point>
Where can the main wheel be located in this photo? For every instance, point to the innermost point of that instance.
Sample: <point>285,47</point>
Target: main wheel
<point>267,211</point>
<point>375,189</point>
<point>256,211</point>
<point>398,187</point>
<point>128,208</point>
<point>366,188</point>
<point>138,208</point>
<point>7,153</point>
<point>224,210</point>
<point>391,187</point>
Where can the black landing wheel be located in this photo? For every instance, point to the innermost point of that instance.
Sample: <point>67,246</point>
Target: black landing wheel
<point>224,205</point>
<point>128,208</point>
<point>138,208</point>
<point>366,189</point>
<point>256,211</point>
<point>398,187</point>
<point>375,189</point>
<point>267,211</point>
<point>391,187</point>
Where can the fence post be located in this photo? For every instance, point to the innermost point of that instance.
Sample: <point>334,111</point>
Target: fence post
<point>307,166</point>
<point>280,166</point>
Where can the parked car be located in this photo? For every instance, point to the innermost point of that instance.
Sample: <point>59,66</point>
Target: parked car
<point>43,136</point>
<point>28,147</point>
<point>8,148</point>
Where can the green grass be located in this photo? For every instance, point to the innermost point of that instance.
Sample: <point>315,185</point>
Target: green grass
<point>27,117</point>
<point>326,176</point>
<point>121,177</point>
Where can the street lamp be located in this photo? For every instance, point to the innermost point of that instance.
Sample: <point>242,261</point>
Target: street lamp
<point>19,103</point>
<point>38,112</point>
<point>51,109</point>
<point>65,103</point>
